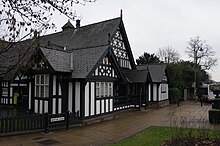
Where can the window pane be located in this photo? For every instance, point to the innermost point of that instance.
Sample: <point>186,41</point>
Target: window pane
<point>4,91</point>
<point>47,79</point>
<point>37,79</point>
<point>110,89</point>
<point>42,79</point>
<point>102,89</point>
<point>106,89</point>
<point>37,91</point>
<point>97,90</point>
<point>42,91</point>
<point>46,91</point>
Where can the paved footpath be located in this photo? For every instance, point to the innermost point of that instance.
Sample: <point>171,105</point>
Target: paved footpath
<point>126,123</point>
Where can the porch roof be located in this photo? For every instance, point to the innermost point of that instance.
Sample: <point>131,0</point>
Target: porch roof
<point>79,61</point>
<point>156,71</point>
<point>136,76</point>
<point>59,60</point>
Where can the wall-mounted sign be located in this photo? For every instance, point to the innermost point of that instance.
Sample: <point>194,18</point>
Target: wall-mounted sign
<point>57,119</point>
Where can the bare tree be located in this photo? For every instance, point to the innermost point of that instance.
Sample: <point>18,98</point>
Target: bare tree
<point>201,53</point>
<point>19,17</point>
<point>168,54</point>
<point>23,19</point>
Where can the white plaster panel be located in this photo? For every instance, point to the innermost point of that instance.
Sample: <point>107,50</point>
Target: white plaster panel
<point>70,97</point>
<point>92,98</point>
<point>77,96</point>
<point>54,106</point>
<point>54,85</point>
<point>36,106</point>
<point>59,105</point>
<point>98,107</point>
<point>87,100</point>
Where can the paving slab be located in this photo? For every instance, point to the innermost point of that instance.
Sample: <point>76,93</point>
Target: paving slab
<point>125,124</point>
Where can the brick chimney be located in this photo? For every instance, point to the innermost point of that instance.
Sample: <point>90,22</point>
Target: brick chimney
<point>77,23</point>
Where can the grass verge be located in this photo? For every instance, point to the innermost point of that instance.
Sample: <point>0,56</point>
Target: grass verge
<point>155,136</point>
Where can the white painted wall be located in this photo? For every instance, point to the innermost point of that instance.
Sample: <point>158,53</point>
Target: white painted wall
<point>92,98</point>
<point>111,105</point>
<point>149,92</point>
<point>77,96</point>
<point>59,105</point>
<point>103,106</point>
<point>154,92</point>
<point>45,106</point>
<point>36,106</point>
<point>98,107</point>
<point>159,93</point>
<point>87,100</point>
<point>70,97</point>
<point>54,85</point>
<point>54,106</point>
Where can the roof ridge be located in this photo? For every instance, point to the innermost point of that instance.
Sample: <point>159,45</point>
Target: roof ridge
<point>90,47</point>
<point>100,22</point>
<point>45,47</point>
<point>83,26</point>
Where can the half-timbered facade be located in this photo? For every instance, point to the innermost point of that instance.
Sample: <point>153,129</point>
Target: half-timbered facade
<point>157,84</point>
<point>89,70</point>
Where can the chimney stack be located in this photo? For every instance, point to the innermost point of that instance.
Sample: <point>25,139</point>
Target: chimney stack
<point>77,23</point>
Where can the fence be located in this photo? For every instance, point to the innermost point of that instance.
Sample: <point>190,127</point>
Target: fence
<point>37,122</point>
<point>124,101</point>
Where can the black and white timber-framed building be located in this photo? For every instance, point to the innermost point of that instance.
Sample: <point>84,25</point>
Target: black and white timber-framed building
<point>85,69</point>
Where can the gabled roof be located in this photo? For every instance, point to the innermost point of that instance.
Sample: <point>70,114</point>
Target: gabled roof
<point>59,60</point>
<point>156,71</point>
<point>75,50</point>
<point>136,76</point>
<point>84,60</point>
<point>89,36</point>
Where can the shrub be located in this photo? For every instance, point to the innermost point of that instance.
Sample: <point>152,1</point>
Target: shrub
<point>174,95</point>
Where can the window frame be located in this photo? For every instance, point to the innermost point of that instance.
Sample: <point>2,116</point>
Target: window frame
<point>42,86</point>
<point>104,89</point>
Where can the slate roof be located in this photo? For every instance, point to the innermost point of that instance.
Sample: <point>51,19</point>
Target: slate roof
<point>136,76</point>
<point>85,44</point>
<point>16,56</point>
<point>88,36</point>
<point>156,71</point>
<point>59,60</point>
<point>84,60</point>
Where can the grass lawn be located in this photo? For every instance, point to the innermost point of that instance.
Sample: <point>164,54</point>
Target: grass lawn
<point>155,136</point>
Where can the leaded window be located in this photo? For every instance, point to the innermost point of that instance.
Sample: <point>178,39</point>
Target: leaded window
<point>5,89</point>
<point>163,88</point>
<point>104,89</point>
<point>42,86</point>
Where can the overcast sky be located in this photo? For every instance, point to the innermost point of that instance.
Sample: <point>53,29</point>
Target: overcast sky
<point>152,24</point>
